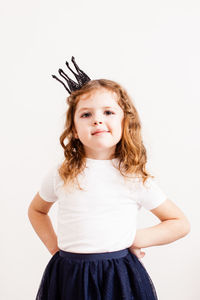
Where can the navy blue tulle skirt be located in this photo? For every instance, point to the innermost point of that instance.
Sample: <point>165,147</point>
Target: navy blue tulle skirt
<point>117,275</point>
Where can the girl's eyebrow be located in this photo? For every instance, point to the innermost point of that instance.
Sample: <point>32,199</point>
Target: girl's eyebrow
<point>83,108</point>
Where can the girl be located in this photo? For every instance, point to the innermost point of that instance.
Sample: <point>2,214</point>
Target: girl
<point>99,187</point>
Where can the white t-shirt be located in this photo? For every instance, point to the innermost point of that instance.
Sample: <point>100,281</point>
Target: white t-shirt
<point>102,217</point>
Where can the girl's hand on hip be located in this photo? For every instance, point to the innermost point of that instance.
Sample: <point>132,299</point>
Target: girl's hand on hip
<point>137,251</point>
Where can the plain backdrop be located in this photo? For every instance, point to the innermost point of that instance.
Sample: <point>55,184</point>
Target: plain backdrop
<point>152,48</point>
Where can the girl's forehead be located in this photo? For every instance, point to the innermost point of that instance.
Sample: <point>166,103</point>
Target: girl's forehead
<point>101,96</point>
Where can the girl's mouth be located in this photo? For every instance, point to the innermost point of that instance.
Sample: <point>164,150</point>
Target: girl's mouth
<point>100,132</point>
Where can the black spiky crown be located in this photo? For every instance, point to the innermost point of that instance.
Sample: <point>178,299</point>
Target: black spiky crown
<point>81,77</point>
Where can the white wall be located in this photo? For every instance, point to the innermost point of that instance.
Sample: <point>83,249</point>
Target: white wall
<point>153,49</point>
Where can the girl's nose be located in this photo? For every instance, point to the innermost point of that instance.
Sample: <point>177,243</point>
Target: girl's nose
<point>97,122</point>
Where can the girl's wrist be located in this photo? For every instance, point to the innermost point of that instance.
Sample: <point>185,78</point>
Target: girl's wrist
<point>137,240</point>
<point>53,251</point>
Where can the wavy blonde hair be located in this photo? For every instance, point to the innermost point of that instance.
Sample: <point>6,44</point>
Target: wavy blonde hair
<point>129,150</point>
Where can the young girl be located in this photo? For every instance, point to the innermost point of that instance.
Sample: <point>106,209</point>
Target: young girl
<point>99,187</point>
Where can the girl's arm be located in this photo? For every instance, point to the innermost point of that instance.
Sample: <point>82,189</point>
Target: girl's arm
<point>174,225</point>
<point>38,216</point>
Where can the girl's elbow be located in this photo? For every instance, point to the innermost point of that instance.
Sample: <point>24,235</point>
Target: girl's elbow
<point>29,212</point>
<point>186,227</point>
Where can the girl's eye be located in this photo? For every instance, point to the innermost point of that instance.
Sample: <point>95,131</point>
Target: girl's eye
<point>84,115</point>
<point>105,111</point>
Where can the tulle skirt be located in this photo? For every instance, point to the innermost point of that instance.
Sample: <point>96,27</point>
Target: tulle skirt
<point>117,275</point>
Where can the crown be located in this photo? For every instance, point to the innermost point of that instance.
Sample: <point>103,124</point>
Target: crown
<point>81,77</point>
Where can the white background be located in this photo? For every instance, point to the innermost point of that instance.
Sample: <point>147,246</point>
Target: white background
<point>152,48</point>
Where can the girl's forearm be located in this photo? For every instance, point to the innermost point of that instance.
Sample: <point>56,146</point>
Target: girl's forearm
<point>164,233</point>
<point>44,229</point>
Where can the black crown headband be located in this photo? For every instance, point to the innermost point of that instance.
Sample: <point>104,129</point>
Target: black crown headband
<point>81,77</point>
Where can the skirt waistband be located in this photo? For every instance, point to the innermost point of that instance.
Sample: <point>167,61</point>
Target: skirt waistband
<point>94,256</point>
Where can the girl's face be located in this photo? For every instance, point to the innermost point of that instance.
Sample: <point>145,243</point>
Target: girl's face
<point>99,111</point>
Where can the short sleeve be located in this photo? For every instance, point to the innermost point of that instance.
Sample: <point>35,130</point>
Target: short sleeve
<point>150,195</point>
<point>47,187</point>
